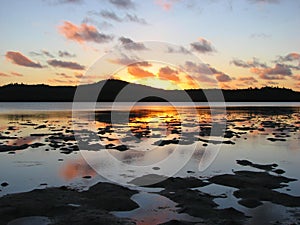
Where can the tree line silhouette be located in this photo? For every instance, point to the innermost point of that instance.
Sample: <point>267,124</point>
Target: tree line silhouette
<point>108,90</point>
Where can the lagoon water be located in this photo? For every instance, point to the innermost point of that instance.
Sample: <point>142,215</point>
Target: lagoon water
<point>47,145</point>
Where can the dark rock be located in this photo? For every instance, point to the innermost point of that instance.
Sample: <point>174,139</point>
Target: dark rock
<point>40,127</point>
<point>250,203</point>
<point>4,184</point>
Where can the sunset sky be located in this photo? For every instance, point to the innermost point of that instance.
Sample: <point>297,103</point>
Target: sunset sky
<point>245,43</point>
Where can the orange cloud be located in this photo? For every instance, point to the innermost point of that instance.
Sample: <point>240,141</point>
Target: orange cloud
<point>11,74</point>
<point>139,73</point>
<point>21,60</point>
<point>166,73</point>
<point>83,33</point>
<point>4,75</point>
<point>16,74</point>
<point>166,4</point>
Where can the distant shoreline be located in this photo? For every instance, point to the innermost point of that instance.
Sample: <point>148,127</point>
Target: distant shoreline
<point>110,90</point>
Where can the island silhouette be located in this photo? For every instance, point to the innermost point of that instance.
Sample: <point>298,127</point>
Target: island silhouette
<point>109,89</point>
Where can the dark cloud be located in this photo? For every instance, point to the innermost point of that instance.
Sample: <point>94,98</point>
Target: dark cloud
<point>123,4</point>
<point>21,60</point>
<point>279,72</point>
<point>131,45</point>
<point>41,53</point>
<point>143,64</point>
<point>48,54</point>
<point>135,19</point>
<point>202,46</point>
<point>247,80</point>
<point>252,79</point>
<point>123,60</point>
<point>65,54</point>
<point>101,25</point>
<point>221,76</point>
<point>110,15</point>
<point>64,75</point>
<point>289,57</point>
<point>196,68</point>
<point>65,64</point>
<point>180,50</point>
<point>201,72</point>
<point>254,63</point>
<point>83,33</point>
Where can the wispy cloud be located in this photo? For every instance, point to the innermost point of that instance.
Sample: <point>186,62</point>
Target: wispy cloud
<point>179,50</point>
<point>64,75</point>
<point>247,80</point>
<point>260,35</point>
<point>48,54</point>
<point>65,64</point>
<point>11,74</point>
<point>65,54</point>
<point>83,33</point>
<point>21,60</point>
<point>4,74</point>
<point>123,59</point>
<point>135,19</point>
<point>112,16</point>
<point>202,46</point>
<point>41,53</point>
<point>252,63</point>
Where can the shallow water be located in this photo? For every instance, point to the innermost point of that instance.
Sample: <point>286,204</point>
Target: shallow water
<point>147,139</point>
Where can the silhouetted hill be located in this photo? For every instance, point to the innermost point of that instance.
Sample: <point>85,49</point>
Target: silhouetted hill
<point>112,90</point>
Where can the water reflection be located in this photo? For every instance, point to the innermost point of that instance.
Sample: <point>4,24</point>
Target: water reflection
<point>145,136</point>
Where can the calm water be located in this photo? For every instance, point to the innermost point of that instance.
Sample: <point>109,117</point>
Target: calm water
<point>146,139</point>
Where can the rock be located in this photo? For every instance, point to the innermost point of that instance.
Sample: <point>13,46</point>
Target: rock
<point>250,203</point>
<point>41,127</point>
<point>4,184</point>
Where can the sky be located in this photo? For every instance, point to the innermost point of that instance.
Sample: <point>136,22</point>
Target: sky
<point>243,43</point>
